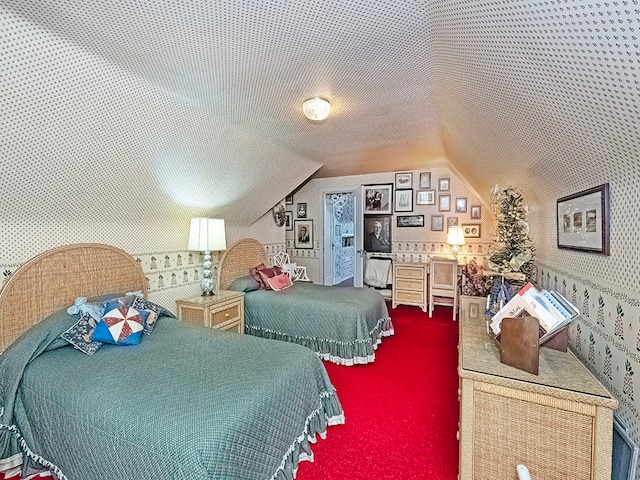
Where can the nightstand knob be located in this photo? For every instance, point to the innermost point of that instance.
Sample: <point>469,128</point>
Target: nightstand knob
<point>226,315</point>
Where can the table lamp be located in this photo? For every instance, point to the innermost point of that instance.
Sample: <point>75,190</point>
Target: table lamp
<point>207,235</point>
<point>455,238</point>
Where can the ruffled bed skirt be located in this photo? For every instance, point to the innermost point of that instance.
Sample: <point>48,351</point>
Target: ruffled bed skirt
<point>356,352</point>
<point>316,424</point>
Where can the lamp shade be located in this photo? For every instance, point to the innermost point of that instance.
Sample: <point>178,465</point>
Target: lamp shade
<point>207,234</point>
<point>316,108</point>
<point>455,236</point>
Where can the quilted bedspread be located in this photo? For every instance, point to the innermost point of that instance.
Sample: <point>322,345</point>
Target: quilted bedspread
<point>186,403</point>
<point>341,324</point>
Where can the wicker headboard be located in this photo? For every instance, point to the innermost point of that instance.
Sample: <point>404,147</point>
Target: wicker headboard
<point>54,279</point>
<point>237,261</point>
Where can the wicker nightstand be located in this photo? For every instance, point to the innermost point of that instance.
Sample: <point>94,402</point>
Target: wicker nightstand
<point>223,311</point>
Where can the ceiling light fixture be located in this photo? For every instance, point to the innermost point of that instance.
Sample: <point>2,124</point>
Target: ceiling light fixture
<point>316,108</point>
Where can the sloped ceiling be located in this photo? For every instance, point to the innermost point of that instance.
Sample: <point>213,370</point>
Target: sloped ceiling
<point>201,101</point>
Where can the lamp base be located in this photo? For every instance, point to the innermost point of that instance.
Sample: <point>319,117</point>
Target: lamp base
<point>208,293</point>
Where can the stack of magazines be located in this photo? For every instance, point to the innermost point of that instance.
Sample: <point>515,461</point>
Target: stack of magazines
<point>552,310</point>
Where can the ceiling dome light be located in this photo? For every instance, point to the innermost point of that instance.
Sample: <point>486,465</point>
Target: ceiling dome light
<point>316,108</point>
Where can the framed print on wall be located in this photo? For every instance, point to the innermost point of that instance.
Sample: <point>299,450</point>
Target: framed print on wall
<point>377,198</point>
<point>425,197</point>
<point>461,205</point>
<point>425,181</point>
<point>471,230</point>
<point>444,184</point>
<point>303,231</point>
<point>437,223</point>
<point>404,200</point>
<point>288,200</point>
<point>475,212</point>
<point>582,220</point>
<point>444,203</point>
<point>289,221</point>
<point>410,221</point>
<point>302,210</point>
<point>451,222</point>
<point>377,233</point>
<point>404,180</point>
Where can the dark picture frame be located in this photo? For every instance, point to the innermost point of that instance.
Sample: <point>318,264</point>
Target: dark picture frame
<point>409,221</point>
<point>371,242</point>
<point>452,222</point>
<point>471,230</point>
<point>582,220</point>
<point>444,184</point>
<point>476,212</point>
<point>461,205</point>
<point>404,180</point>
<point>377,199</point>
<point>437,223</point>
<point>301,210</point>
<point>303,232</point>
<point>289,221</point>
<point>425,181</point>
<point>444,203</point>
<point>403,200</point>
<point>288,200</point>
<point>425,197</point>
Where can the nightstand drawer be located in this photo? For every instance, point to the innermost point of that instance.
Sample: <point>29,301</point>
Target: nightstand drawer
<point>227,314</point>
<point>409,284</point>
<point>413,297</point>
<point>410,272</point>
<point>235,327</point>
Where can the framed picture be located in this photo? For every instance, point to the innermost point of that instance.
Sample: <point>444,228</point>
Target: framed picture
<point>425,181</point>
<point>461,205</point>
<point>471,230</point>
<point>444,203</point>
<point>410,221</point>
<point>377,233</point>
<point>451,222</point>
<point>437,223</point>
<point>404,200</point>
<point>377,198</point>
<point>288,200</point>
<point>425,197</point>
<point>475,212</point>
<point>404,180</point>
<point>302,210</point>
<point>443,184</point>
<point>303,230</point>
<point>583,220</point>
<point>289,221</point>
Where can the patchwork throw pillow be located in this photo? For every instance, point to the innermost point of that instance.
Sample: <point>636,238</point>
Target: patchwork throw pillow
<point>244,284</point>
<point>155,311</point>
<point>79,335</point>
<point>253,271</point>
<point>267,273</point>
<point>120,325</point>
<point>280,282</point>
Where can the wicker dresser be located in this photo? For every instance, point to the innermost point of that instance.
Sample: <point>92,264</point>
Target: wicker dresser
<point>410,285</point>
<point>222,311</point>
<point>558,423</point>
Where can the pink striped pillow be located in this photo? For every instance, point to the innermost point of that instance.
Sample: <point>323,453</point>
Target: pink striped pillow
<point>280,282</point>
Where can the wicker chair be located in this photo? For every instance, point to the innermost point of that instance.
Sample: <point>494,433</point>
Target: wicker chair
<point>443,284</point>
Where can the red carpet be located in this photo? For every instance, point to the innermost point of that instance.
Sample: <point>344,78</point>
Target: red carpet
<point>401,411</point>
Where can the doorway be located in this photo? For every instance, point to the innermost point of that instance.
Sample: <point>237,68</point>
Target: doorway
<point>342,260</point>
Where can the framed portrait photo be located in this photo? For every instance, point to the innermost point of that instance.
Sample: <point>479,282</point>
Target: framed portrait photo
<point>425,181</point>
<point>425,197</point>
<point>288,200</point>
<point>471,230</point>
<point>444,203</point>
<point>303,231</point>
<point>410,221</point>
<point>377,199</point>
<point>289,221</point>
<point>404,180</point>
<point>301,208</point>
<point>461,205</point>
<point>377,233</point>
<point>437,223</point>
<point>444,184</point>
<point>404,200</point>
<point>475,212</point>
<point>583,220</point>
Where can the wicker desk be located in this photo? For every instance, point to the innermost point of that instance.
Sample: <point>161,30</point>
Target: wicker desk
<point>558,423</point>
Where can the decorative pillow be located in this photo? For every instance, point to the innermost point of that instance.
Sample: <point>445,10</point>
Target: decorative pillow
<point>253,271</point>
<point>280,282</point>
<point>120,325</point>
<point>79,335</point>
<point>268,273</point>
<point>83,306</point>
<point>154,312</point>
<point>244,284</point>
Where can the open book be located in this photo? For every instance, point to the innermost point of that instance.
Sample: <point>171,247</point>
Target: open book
<point>552,310</point>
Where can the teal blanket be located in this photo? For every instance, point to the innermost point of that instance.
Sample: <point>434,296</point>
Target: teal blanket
<point>341,324</point>
<point>186,403</point>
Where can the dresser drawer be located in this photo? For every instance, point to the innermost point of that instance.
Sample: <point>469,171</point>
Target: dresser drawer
<point>410,272</point>
<point>409,284</point>
<point>409,297</point>
<point>225,314</point>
